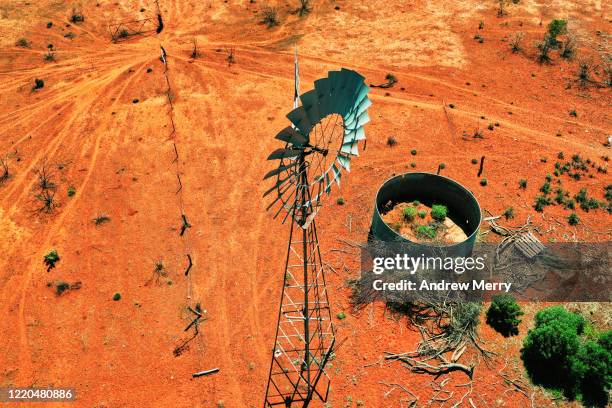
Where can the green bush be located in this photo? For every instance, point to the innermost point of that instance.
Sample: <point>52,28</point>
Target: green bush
<point>545,188</point>
<point>592,368</point>
<point>71,191</point>
<point>409,213</point>
<point>269,17</point>
<point>117,296</point>
<point>555,28</point>
<point>549,348</point>
<point>523,184</point>
<point>340,201</point>
<point>508,213</point>
<point>541,202</point>
<point>341,315</point>
<point>573,219</point>
<point>51,259</point>
<point>483,182</point>
<point>38,84</point>
<point>413,152</point>
<point>422,214</point>
<point>439,212</point>
<point>425,232</point>
<point>503,315</point>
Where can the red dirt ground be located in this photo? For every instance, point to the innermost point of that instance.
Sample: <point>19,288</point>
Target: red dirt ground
<point>118,156</point>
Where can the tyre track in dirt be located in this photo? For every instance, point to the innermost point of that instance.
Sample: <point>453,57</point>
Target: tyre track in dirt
<point>24,351</point>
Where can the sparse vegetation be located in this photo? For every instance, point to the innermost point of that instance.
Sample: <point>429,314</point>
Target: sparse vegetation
<point>77,16</point>
<point>508,213</point>
<point>61,287</point>
<point>555,28</point>
<point>23,43</point>
<point>391,141</point>
<point>304,8</point>
<point>569,48</point>
<point>38,84</point>
<point>483,182</point>
<point>117,296</point>
<point>231,59</point>
<point>409,213</point>
<point>541,202</point>
<point>584,73</point>
<point>522,184</point>
<point>573,219</point>
<point>101,219</point>
<point>425,232</point>
<point>4,169</point>
<point>51,259</point>
<point>515,43</point>
<point>474,161</point>
<point>413,152</point>
<point>439,212</point>
<point>504,315</point>
<point>269,17</point>
<point>71,191</point>
<point>340,201</point>
<point>544,51</point>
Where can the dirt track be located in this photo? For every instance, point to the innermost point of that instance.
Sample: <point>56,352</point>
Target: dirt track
<point>118,156</point>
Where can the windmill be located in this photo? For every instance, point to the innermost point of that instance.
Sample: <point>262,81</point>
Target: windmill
<point>324,135</point>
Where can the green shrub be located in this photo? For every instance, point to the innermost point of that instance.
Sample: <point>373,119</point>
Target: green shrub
<point>425,232</point>
<point>38,84</point>
<point>549,348</point>
<point>71,191</point>
<point>474,161</point>
<point>101,219</point>
<point>51,259</point>
<point>422,214</point>
<point>61,287</point>
<point>522,184</point>
<point>341,315</point>
<point>413,152</point>
<point>592,368</point>
<point>117,296</point>
<point>545,188</point>
<point>391,141</point>
<point>23,43</point>
<point>269,17</point>
<point>340,201</point>
<point>442,166</point>
<point>409,213</point>
<point>77,17</point>
<point>555,28</point>
<point>508,213</point>
<point>503,315</point>
<point>413,165</point>
<point>483,182</point>
<point>541,202</point>
<point>439,212</point>
<point>563,353</point>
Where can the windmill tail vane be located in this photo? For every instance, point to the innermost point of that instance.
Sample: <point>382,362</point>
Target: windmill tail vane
<point>324,135</point>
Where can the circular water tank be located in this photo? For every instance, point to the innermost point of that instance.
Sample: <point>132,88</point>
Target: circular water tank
<point>429,189</point>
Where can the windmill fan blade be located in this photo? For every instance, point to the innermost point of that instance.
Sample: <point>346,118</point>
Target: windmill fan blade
<point>310,103</point>
<point>343,93</point>
<point>279,169</point>
<point>300,120</point>
<point>283,153</point>
<point>291,136</point>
